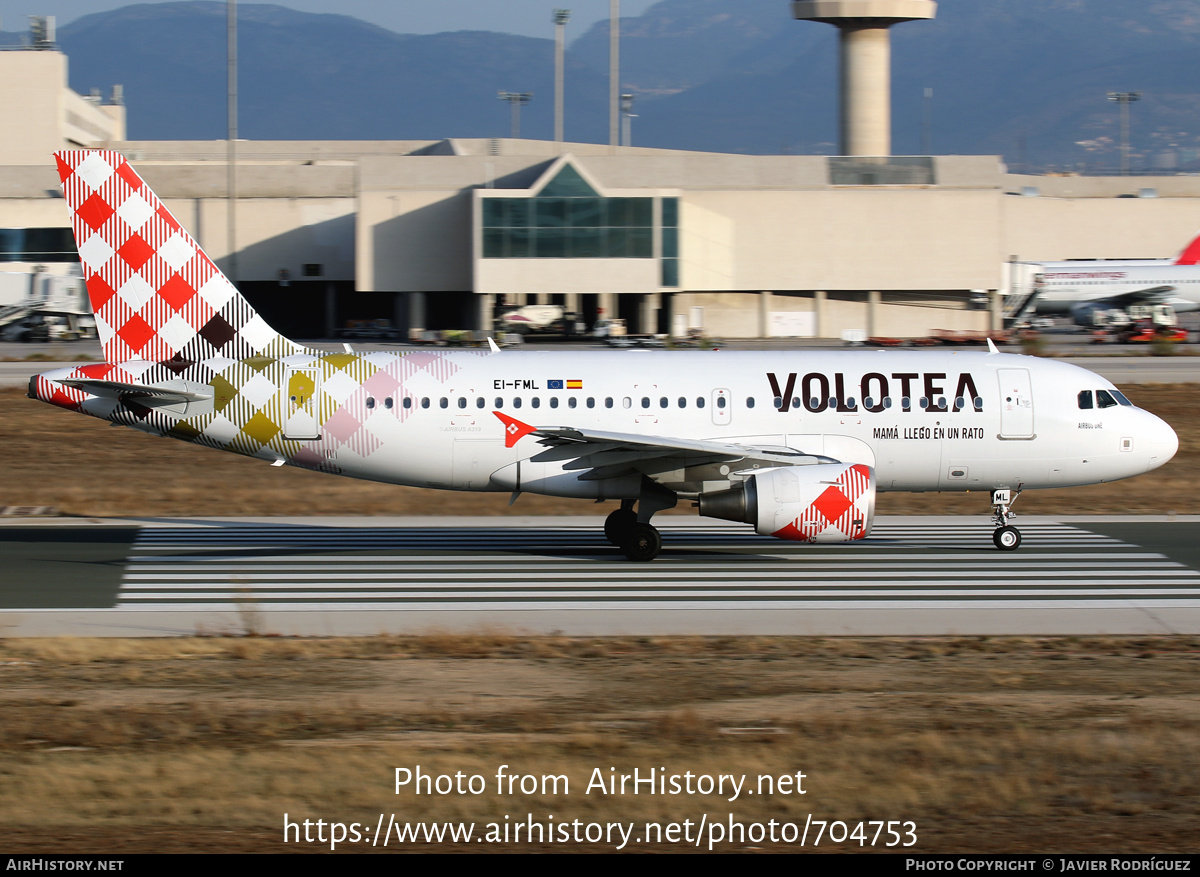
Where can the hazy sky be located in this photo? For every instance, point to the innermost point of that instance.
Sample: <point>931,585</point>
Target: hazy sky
<point>528,17</point>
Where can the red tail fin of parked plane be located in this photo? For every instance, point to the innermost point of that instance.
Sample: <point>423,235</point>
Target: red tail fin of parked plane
<point>1190,254</point>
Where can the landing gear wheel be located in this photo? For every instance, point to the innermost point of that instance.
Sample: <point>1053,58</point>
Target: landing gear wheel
<point>641,543</point>
<point>618,524</point>
<point>1007,538</point>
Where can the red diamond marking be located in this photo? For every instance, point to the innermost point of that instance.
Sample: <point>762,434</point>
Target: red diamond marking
<point>166,217</point>
<point>95,211</point>
<point>136,333</point>
<point>62,400</point>
<point>126,173</point>
<point>99,292</point>
<point>64,169</point>
<point>832,503</point>
<point>176,292</point>
<point>96,369</point>
<point>136,252</point>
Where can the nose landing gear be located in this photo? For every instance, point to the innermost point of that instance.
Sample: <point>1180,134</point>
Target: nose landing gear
<point>1006,537</point>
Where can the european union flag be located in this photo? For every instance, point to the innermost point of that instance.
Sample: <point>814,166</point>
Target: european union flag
<point>554,385</point>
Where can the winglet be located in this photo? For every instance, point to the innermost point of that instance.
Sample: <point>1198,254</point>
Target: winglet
<point>992,346</point>
<point>492,345</point>
<point>514,430</point>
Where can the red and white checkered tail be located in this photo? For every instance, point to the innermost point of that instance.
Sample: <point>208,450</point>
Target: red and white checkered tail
<point>155,294</point>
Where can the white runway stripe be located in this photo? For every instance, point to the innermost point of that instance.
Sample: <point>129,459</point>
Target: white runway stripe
<point>573,567</point>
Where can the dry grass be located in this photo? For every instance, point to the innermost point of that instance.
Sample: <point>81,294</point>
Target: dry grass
<point>986,743</point>
<point>85,467</point>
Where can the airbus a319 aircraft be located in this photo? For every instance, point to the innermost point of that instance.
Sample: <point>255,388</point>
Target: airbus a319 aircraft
<point>1080,289</point>
<point>795,444</point>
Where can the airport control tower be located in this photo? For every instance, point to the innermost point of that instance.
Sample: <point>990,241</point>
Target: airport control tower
<point>866,127</point>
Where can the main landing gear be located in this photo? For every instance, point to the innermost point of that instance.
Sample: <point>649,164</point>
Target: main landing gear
<point>631,531</point>
<point>1006,537</point>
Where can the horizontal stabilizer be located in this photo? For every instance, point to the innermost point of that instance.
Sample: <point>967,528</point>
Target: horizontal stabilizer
<point>182,391</point>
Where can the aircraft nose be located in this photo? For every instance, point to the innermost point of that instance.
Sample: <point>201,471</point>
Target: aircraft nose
<point>1161,441</point>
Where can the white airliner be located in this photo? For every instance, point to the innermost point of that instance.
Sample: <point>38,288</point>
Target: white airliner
<point>1079,289</point>
<point>795,444</point>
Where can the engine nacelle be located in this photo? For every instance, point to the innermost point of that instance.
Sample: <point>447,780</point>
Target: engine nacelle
<point>829,502</point>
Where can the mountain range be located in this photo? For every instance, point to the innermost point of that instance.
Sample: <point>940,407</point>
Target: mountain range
<point>1025,79</point>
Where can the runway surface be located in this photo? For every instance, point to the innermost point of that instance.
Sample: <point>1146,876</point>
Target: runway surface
<point>365,576</point>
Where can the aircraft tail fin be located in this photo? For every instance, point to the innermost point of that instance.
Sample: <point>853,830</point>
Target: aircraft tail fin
<point>1190,255</point>
<point>155,294</point>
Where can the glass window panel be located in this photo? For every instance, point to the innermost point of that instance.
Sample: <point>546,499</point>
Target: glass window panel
<point>551,243</point>
<point>493,243</point>
<point>551,212</point>
<point>520,243</point>
<point>617,211</point>
<point>617,245</point>
<point>670,272</point>
<point>670,212</point>
<point>493,212</point>
<point>586,243</point>
<point>641,212</point>
<point>517,210</point>
<point>584,212</point>
<point>12,241</point>
<point>641,243</point>
<point>670,242</point>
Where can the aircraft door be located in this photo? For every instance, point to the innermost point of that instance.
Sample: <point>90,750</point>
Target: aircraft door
<point>1016,404</point>
<point>722,407</point>
<point>300,404</point>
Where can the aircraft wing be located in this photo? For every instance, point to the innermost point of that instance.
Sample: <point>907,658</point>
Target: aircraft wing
<point>1154,295</point>
<point>610,454</point>
<point>175,391</point>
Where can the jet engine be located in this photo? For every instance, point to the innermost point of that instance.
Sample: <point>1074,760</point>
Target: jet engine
<point>828,502</point>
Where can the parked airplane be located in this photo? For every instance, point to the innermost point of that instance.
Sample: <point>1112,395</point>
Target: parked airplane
<point>794,443</point>
<point>1082,288</point>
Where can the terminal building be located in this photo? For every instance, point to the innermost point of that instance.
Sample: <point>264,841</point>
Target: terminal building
<point>444,234</point>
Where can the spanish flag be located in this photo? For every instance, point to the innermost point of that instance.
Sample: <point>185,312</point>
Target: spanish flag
<point>574,385</point>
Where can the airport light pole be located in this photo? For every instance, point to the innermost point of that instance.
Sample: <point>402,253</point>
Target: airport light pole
<point>560,25</point>
<point>1124,98</point>
<point>515,100</point>
<point>627,117</point>
<point>614,67</point>
<point>231,157</point>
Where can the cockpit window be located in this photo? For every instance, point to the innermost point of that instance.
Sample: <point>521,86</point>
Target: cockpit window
<point>1121,398</point>
<point>1104,399</point>
<point>1085,399</point>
